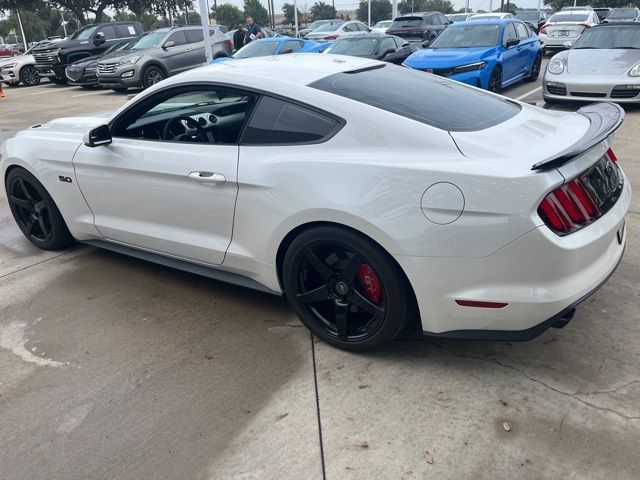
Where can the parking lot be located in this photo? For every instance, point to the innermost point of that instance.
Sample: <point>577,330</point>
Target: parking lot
<point>111,367</point>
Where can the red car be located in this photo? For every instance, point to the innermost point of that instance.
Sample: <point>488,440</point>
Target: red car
<point>11,50</point>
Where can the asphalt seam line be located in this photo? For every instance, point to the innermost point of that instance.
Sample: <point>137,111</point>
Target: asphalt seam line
<point>41,262</point>
<point>315,382</point>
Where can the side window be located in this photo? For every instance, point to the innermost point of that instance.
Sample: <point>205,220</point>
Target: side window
<point>291,46</point>
<point>196,114</point>
<point>350,27</point>
<point>362,27</point>
<point>109,32</point>
<point>509,32</point>
<point>443,19</point>
<point>521,30</point>
<point>125,31</point>
<point>278,122</point>
<point>194,35</point>
<point>386,44</point>
<point>178,37</point>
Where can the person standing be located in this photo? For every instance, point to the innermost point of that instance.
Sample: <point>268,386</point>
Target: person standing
<point>238,37</point>
<point>253,31</point>
<point>1,92</point>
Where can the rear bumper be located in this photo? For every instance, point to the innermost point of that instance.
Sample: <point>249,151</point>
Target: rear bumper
<point>556,43</point>
<point>538,275</point>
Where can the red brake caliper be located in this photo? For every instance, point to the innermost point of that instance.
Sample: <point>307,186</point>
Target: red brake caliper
<point>370,282</point>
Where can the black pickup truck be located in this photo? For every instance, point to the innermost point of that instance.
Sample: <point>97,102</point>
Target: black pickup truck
<point>53,57</point>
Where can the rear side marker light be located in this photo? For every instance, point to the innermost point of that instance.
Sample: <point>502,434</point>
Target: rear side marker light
<point>543,29</point>
<point>480,304</point>
<point>611,155</point>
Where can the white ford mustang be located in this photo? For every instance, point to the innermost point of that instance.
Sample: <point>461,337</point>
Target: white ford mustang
<point>377,198</point>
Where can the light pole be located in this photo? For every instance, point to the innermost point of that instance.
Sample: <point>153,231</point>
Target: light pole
<point>394,9</point>
<point>24,38</point>
<point>369,13</point>
<point>295,15</point>
<point>204,20</point>
<point>466,6</point>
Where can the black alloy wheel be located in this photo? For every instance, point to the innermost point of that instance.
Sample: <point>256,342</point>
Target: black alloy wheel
<point>29,76</point>
<point>35,212</point>
<point>495,80</point>
<point>535,69</point>
<point>151,76</point>
<point>345,289</point>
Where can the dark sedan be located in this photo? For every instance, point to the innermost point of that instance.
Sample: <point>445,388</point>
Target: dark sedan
<point>388,48</point>
<point>83,72</point>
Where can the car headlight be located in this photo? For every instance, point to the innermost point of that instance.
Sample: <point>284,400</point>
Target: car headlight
<point>129,61</point>
<point>11,65</point>
<point>635,70</point>
<point>470,67</point>
<point>556,66</point>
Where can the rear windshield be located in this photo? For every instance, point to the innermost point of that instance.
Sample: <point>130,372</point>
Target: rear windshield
<point>328,27</point>
<point>623,13</point>
<point>622,37</point>
<point>407,22</point>
<point>569,17</point>
<point>431,100</point>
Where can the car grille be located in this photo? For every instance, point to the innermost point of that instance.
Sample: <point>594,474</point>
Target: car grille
<point>46,57</point>
<point>588,94</point>
<point>73,73</point>
<point>558,89</point>
<point>441,72</point>
<point>106,68</point>
<point>621,91</point>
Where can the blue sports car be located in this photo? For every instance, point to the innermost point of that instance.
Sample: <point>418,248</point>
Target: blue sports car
<point>489,54</point>
<point>265,47</point>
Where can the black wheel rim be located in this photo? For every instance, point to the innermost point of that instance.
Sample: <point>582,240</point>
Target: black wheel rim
<point>154,76</point>
<point>30,76</point>
<point>536,68</point>
<point>332,292</point>
<point>30,210</point>
<point>494,81</point>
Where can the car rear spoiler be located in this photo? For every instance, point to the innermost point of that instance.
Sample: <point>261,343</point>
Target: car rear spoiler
<point>604,119</point>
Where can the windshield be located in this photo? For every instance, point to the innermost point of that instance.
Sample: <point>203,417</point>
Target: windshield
<point>468,36</point>
<point>317,23</point>
<point>84,34</point>
<point>117,47</point>
<point>357,47</point>
<point>569,17</point>
<point>327,27</point>
<point>77,33</point>
<point>407,22</point>
<point>149,40</point>
<point>382,24</point>
<point>257,49</point>
<point>434,101</point>
<point>623,13</point>
<point>609,37</point>
<point>528,16</point>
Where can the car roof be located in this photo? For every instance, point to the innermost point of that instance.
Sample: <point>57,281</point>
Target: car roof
<point>488,21</point>
<point>296,68</point>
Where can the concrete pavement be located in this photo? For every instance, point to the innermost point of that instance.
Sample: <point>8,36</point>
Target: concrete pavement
<point>111,367</point>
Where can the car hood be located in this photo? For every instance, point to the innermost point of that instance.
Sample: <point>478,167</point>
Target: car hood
<point>447,57</point>
<point>123,55</point>
<point>61,44</point>
<point>600,62</point>
<point>69,128</point>
<point>529,137</point>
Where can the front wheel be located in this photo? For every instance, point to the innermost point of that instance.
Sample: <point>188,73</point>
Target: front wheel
<point>495,80</point>
<point>35,212</point>
<point>151,76</point>
<point>29,76</point>
<point>345,288</point>
<point>534,73</point>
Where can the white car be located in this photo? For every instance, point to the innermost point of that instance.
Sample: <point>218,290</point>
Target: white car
<point>565,27</point>
<point>382,26</point>
<point>491,16</point>
<point>19,69</point>
<point>332,31</point>
<point>435,207</point>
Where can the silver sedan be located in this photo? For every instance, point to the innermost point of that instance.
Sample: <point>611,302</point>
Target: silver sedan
<point>603,64</point>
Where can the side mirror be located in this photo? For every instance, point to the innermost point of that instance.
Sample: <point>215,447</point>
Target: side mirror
<point>99,39</point>
<point>168,44</point>
<point>567,44</point>
<point>425,43</point>
<point>385,53</point>
<point>512,42</point>
<point>97,136</point>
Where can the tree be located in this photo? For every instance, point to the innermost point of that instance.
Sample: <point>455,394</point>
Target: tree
<point>254,9</point>
<point>380,10</point>
<point>228,14</point>
<point>558,4</point>
<point>442,6</point>
<point>322,11</point>
<point>287,9</point>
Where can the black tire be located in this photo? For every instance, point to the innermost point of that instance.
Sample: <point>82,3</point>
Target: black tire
<point>495,80</point>
<point>35,212</point>
<point>324,272</point>
<point>59,80</point>
<point>13,84</point>
<point>29,76</point>
<point>120,89</point>
<point>152,75</point>
<point>549,101</point>
<point>534,73</point>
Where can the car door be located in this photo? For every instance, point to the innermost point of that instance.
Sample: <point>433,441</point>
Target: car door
<point>159,192</point>
<point>510,64</point>
<point>176,57</point>
<point>526,48</point>
<point>195,38</point>
<point>110,38</point>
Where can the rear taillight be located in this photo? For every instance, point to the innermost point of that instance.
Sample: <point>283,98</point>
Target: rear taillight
<point>585,25</point>
<point>571,206</point>
<point>228,42</point>
<point>543,29</point>
<point>331,37</point>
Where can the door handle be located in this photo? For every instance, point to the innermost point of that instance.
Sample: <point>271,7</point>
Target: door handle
<point>210,178</point>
